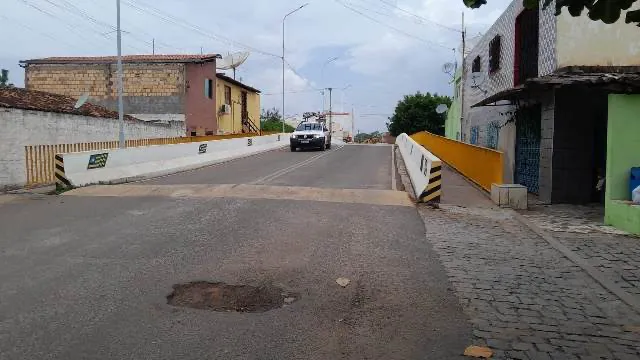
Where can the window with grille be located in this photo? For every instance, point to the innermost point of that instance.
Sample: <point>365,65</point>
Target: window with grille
<point>494,54</point>
<point>208,88</point>
<point>475,66</point>
<point>227,95</point>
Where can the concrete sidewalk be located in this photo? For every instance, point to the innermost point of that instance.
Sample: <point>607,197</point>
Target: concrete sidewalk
<point>458,191</point>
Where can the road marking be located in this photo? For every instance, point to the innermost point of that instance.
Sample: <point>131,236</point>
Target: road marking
<point>290,168</point>
<point>225,162</point>
<point>243,191</point>
<point>393,168</point>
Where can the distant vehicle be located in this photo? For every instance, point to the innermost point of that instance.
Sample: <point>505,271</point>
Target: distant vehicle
<point>310,135</point>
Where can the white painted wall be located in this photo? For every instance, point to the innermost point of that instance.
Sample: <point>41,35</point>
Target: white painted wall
<point>166,118</point>
<point>584,42</point>
<point>341,124</point>
<point>418,162</point>
<point>149,161</point>
<point>19,128</point>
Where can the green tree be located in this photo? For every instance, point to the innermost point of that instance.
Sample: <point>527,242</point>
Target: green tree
<point>4,79</point>
<point>607,11</point>
<point>417,113</point>
<point>271,120</point>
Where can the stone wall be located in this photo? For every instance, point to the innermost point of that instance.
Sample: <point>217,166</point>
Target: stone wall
<point>26,127</point>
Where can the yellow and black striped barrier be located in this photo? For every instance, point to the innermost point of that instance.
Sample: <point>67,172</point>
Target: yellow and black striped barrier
<point>433,192</point>
<point>62,182</point>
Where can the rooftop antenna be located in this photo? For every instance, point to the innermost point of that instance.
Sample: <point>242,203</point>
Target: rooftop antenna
<point>233,61</point>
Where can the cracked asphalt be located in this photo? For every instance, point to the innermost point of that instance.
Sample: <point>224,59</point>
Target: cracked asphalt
<point>86,276</point>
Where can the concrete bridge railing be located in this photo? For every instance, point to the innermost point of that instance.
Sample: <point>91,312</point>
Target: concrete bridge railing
<point>481,165</point>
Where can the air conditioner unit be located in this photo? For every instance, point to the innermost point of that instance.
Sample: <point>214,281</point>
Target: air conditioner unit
<point>225,109</point>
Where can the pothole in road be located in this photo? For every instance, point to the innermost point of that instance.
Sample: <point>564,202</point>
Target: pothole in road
<point>229,298</point>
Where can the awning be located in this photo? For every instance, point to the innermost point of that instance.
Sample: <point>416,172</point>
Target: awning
<point>618,83</point>
<point>515,93</point>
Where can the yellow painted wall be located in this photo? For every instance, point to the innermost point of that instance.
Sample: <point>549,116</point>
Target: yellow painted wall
<point>582,41</point>
<point>481,165</point>
<point>232,123</point>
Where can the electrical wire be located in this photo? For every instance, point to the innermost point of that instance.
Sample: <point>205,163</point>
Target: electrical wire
<point>143,7</point>
<point>75,10</point>
<point>65,23</point>
<point>47,35</point>
<point>292,92</point>
<point>392,27</point>
<point>127,27</point>
<point>388,3</point>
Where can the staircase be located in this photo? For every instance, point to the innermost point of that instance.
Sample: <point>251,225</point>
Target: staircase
<point>248,126</point>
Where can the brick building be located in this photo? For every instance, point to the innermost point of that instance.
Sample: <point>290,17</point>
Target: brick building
<point>156,87</point>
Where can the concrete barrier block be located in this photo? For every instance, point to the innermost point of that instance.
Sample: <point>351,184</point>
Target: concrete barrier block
<point>510,195</point>
<point>424,169</point>
<point>121,165</point>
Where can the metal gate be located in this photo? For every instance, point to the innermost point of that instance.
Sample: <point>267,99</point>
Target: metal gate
<point>528,147</point>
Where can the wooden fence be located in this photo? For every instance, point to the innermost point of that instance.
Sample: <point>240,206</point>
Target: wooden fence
<point>39,159</point>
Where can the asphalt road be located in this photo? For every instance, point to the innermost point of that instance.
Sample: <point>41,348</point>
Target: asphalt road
<point>85,275</point>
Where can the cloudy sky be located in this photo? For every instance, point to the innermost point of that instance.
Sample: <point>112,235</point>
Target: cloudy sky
<point>385,48</point>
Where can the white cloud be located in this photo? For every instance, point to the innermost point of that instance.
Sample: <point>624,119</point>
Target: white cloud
<point>382,64</point>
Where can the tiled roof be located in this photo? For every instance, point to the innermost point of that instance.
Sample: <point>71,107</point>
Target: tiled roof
<point>126,59</point>
<point>19,98</point>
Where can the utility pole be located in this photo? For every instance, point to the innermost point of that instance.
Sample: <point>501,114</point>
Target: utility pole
<point>283,73</point>
<point>120,82</point>
<point>154,46</point>
<point>330,114</point>
<point>353,125</point>
<point>463,75</point>
<point>283,61</point>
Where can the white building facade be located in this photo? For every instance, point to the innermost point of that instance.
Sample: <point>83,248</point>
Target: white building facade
<point>506,108</point>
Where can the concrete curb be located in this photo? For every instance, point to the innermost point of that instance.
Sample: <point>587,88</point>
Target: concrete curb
<point>404,176</point>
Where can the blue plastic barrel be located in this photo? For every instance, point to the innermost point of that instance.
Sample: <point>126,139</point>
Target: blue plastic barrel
<point>634,180</point>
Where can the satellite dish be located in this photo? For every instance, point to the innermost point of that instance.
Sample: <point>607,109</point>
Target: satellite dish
<point>478,78</point>
<point>442,108</point>
<point>232,61</point>
<point>83,99</point>
<point>448,68</point>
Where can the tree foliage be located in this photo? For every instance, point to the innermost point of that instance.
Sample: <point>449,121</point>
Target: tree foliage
<point>4,79</point>
<point>271,120</point>
<point>417,113</point>
<point>607,11</point>
<point>362,137</point>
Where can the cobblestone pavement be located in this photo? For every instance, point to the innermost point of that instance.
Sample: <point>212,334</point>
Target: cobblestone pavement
<point>525,299</point>
<point>580,228</point>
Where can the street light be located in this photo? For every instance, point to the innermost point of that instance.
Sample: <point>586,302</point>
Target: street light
<point>329,61</point>
<point>283,21</point>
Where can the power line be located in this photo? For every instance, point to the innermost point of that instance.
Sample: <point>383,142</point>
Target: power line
<point>137,29</point>
<point>292,92</point>
<point>49,36</point>
<point>140,6</point>
<point>419,17</point>
<point>392,27</point>
<point>73,9</point>
<point>54,17</point>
